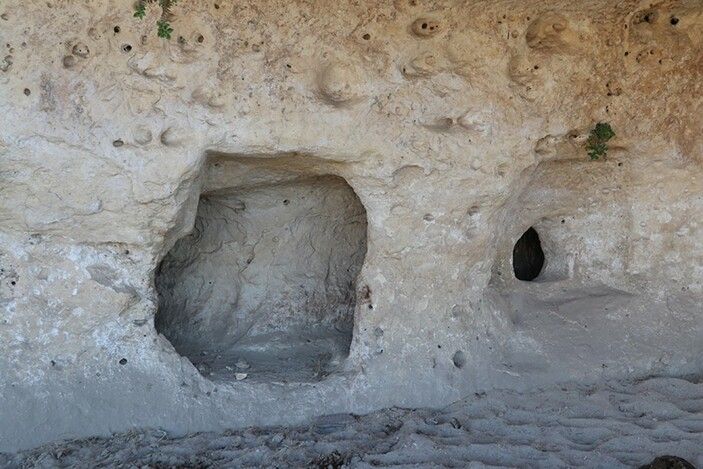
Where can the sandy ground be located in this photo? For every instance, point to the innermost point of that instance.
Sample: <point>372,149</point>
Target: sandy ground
<point>612,425</point>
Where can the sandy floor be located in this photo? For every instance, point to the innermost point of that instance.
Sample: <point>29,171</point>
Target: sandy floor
<point>609,426</point>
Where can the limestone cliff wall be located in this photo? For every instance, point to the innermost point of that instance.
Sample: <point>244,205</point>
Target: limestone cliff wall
<point>458,124</point>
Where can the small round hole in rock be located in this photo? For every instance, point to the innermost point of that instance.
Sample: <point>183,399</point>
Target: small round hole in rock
<point>366,36</point>
<point>459,359</point>
<point>201,38</point>
<point>123,361</point>
<point>126,48</point>
<point>528,257</point>
<point>674,21</point>
<point>27,92</point>
<point>116,29</point>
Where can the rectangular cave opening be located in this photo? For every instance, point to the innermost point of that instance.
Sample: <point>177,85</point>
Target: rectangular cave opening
<point>263,288</point>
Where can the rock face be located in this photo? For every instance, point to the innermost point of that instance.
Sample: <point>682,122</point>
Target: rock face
<point>137,170</point>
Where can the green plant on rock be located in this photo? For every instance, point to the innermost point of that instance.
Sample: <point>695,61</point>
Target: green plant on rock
<point>597,143</point>
<point>164,28</point>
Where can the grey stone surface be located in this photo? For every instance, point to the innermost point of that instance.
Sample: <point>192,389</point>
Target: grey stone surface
<point>268,275</point>
<point>615,425</point>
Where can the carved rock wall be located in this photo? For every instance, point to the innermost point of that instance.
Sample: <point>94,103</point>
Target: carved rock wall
<point>458,125</point>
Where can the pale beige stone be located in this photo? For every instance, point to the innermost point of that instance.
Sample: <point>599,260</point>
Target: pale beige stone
<point>453,143</point>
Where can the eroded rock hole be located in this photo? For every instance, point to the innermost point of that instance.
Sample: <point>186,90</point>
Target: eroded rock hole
<point>459,359</point>
<point>265,288</point>
<point>528,257</point>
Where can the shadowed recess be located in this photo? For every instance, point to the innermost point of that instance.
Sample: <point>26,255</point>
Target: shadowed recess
<point>265,283</point>
<point>528,257</point>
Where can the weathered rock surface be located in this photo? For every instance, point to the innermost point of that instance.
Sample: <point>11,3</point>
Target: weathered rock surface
<point>617,425</point>
<point>456,138</point>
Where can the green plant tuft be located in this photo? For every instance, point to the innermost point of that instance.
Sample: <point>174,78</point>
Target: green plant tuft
<point>164,28</point>
<point>140,10</point>
<point>597,145</point>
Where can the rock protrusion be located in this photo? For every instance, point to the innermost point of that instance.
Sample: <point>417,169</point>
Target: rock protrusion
<point>142,135</point>
<point>668,462</point>
<point>80,50</point>
<point>68,61</point>
<point>550,32</point>
<point>339,83</point>
<point>6,63</point>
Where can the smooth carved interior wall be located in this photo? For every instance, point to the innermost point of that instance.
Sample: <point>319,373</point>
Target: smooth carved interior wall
<point>266,282</point>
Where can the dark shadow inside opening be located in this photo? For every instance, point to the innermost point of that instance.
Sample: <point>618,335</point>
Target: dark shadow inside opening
<point>528,257</point>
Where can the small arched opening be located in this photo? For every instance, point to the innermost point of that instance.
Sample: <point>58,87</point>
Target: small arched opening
<point>528,257</point>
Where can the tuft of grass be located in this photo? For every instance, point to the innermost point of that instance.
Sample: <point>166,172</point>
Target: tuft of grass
<point>597,143</point>
<point>163,26</point>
